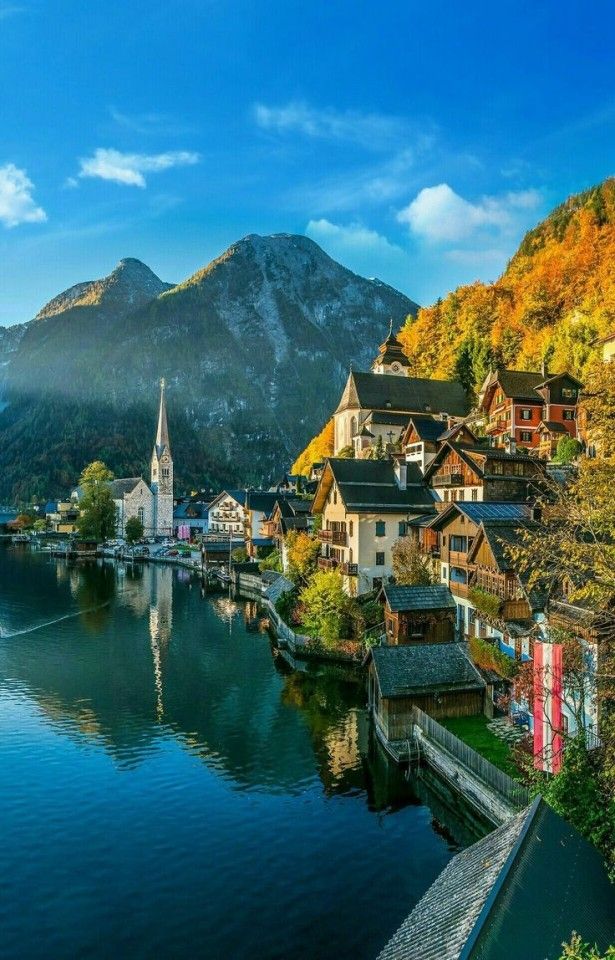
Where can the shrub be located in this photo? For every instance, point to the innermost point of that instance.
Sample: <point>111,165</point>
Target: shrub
<point>486,603</point>
<point>326,608</point>
<point>487,656</point>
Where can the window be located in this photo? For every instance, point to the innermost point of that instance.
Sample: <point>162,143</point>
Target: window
<point>461,495</point>
<point>350,527</point>
<point>459,544</point>
<point>526,414</point>
<point>446,496</point>
<point>498,468</point>
<point>165,473</point>
<point>518,469</point>
<point>508,414</point>
<point>568,393</point>
<point>444,572</point>
<point>141,514</point>
<point>568,414</point>
<point>475,494</point>
<point>443,539</point>
<point>334,496</point>
<point>380,528</point>
<point>526,436</point>
<point>402,528</point>
<point>380,559</point>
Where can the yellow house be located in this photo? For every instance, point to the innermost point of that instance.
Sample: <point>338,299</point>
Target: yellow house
<point>366,506</point>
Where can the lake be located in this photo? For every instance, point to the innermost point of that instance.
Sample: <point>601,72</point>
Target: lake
<point>170,788</point>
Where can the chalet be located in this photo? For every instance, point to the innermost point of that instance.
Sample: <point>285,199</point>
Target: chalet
<point>550,432</point>
<point>519,892</point>
<point>227,513</point>
<point>439,678</point>
<point>460,471</point>
<point>288,515</point>
<point>258,504</point>
<point>62,516</point>
<point>516,402</point>
<point>366,506</point>
<point>190,516</point>
<point>388,396</point>
<point>506,607</point>
<point>457,527</point>
<point>419,614</point>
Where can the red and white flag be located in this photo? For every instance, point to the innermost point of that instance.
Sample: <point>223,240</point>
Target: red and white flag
<point>548,707</point>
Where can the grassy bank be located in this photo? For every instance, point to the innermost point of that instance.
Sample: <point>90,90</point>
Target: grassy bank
<point>474,732</point>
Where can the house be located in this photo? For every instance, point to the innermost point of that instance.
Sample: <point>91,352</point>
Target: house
<point>366,506</point>
<point>419,614</point>
<point>258,504</point>
<point>507,608</point>
<point>383,400</point>
<point>457,527</point>
<point>191,516</point>
<point>460,471</point>
<point>516,402</point>
<point>288,515</point>
<point>550,432</point>
<point>438,678</point>
<point>227,514</point>
<point>62,516</point>
<point>608,347</point>
<point>521,891</point>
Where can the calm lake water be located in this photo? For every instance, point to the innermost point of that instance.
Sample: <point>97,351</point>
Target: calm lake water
<point>170,789</point>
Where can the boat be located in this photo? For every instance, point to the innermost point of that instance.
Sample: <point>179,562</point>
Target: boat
<point>20,538</point>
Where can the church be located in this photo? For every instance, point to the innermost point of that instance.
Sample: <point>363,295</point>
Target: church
<point>152,503</point>
<point>379,404</point>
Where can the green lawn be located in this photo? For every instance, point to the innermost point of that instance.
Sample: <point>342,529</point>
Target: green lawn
<point>474,732</point>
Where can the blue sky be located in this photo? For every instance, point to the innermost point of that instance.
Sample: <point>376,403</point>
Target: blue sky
<point>415,142</point>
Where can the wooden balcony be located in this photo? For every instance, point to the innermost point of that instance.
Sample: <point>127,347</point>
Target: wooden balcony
<point>338,538</point>
<point>458,589</point>
<point>350,569</point>
<point>448,480</point>
<point>327,563</point>
<point>496,426</point>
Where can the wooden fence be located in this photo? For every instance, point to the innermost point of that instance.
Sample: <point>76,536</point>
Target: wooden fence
<point>494,778</point>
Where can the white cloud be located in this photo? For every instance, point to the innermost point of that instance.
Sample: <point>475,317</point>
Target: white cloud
<point>353,236</point>
<point>16,202</point>
<point>129,168</point>
<point>150,123</point>
<point>371,130</point>
<point>439,214</point>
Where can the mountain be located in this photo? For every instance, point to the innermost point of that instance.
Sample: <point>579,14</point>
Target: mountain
<point>254,347</point>
<point>556,296</point>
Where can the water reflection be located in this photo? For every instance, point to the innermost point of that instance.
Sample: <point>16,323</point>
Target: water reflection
<point>143,659</point>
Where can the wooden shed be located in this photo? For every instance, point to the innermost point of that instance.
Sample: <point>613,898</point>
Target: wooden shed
<point>439,678</point>
<point>416,614</point>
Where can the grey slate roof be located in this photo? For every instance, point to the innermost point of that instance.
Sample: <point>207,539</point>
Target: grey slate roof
<point>406,670</point>
<point>429,429</point>
<point>370,486</point>
<point>389,419</point>
<point>436,597</point>
<point>279,587</point>
<point>122,486</point>
<point>374,391</point>
<point>479,511</point>
<point>518,892</point>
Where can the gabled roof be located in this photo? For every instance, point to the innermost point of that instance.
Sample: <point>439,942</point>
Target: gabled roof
<point>378,391</point>
<point>120,487</point>
<point>475,457</point>
<point>501,535</point>
<point>428,429</point>
<point>552,426</point>
<point>515,384</point>
<point>239,496</point>
<point>417,668</point>
<point>478,511</point>
<point>520,891</point>
<point>263,500</point>
<point>410,598</point>
<point>370,486</point>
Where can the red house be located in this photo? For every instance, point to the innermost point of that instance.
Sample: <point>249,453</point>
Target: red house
<point>516,402</point>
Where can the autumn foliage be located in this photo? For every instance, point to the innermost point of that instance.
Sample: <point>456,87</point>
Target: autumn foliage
<point>556,296</point>
<point>317,449</point>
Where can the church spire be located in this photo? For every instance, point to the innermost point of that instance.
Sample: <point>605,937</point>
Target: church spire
<point>162,435</point>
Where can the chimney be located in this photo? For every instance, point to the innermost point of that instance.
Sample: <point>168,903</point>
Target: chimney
<point>543,367</point>
<point>401,473</point>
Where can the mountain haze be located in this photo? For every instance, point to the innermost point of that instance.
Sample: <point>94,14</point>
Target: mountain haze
<point>254,348</point>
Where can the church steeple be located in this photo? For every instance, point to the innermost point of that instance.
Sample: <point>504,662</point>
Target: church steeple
<point>162,471</point>
<point>391,357</point>
<point>162,435</point>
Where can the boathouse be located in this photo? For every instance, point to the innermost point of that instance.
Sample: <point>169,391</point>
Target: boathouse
<point>521,891</point>
<point>439,678</point>
<point>419,614</point>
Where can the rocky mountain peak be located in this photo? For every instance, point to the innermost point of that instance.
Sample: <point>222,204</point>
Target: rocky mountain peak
<point>130,285</point>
